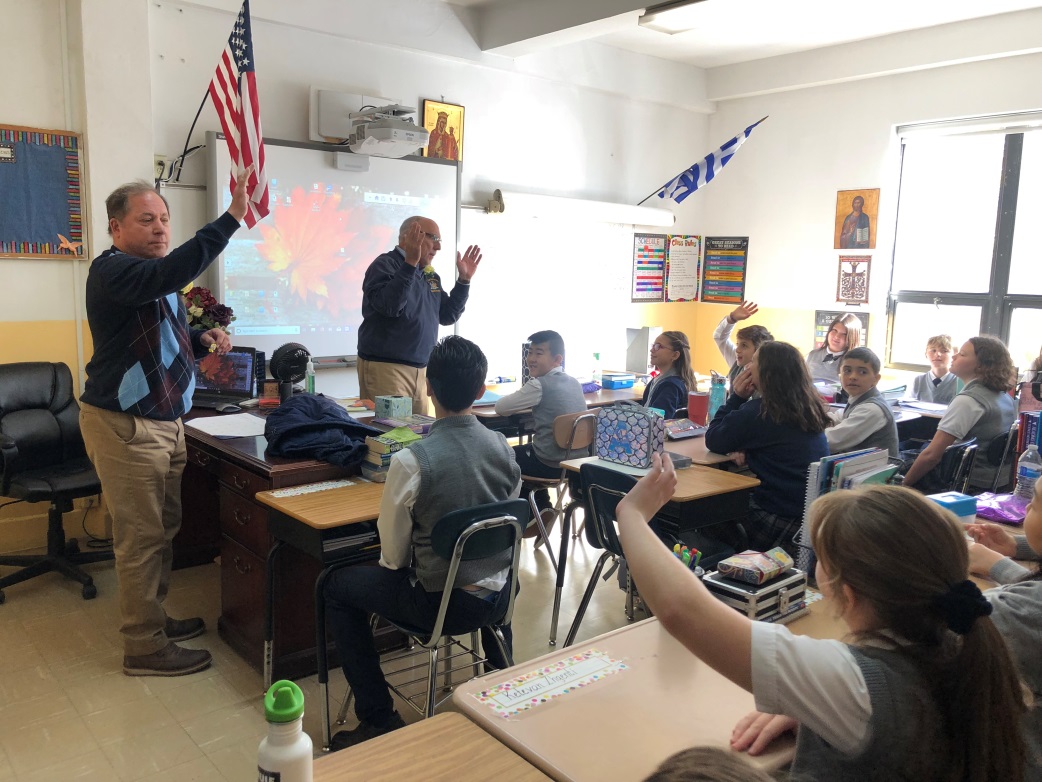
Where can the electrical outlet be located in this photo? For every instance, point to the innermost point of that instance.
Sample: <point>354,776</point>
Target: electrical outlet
<point>159,166</point>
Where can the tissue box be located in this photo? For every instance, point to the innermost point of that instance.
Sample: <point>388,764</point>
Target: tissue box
<point>962,505</point>
<point>613,380</point>
<point>393,406</point>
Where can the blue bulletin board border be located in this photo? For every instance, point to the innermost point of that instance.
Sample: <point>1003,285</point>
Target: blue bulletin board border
<point>41,207</point>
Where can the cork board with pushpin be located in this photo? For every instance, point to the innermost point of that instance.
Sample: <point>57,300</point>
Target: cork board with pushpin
<point>41,210</point>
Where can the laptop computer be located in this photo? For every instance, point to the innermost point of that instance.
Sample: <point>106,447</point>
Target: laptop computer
<point>225,379</point>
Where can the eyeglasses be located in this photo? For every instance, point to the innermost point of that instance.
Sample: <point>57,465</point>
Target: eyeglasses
<point>433,237</point>
<point>660,346</point>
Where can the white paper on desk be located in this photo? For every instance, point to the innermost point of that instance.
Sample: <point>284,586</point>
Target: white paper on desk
<point>229,425</point>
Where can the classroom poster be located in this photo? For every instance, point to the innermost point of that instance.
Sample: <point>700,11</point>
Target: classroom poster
<point>724,269</point>
<point>683,267</point>
<point>649,268</point>
<point>823,319</point>
<point>852,283</point>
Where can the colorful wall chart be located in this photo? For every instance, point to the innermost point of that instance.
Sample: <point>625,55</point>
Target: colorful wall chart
<point>683,267</point>
<point>649,268</point>
<point>724,269</point>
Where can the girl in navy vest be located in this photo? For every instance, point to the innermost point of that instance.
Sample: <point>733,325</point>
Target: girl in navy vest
<point>922,688</point>
<point>671,356</point>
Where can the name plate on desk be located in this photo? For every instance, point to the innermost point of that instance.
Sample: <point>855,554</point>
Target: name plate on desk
<point>555,680</point>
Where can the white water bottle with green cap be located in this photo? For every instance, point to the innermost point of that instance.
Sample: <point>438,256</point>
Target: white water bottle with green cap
<point>285,754</point>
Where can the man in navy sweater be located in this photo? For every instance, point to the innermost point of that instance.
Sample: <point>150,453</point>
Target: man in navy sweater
<point>403,301</point>
<point>139,384</point>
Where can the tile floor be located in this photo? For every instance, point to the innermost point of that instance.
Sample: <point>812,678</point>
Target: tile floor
<point>67,712</point>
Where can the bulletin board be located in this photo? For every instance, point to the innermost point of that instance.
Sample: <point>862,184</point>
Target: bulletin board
<point>41,210</point>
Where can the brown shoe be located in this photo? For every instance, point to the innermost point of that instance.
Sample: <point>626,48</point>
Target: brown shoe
<point>171,660</point>
<point>183,629</point>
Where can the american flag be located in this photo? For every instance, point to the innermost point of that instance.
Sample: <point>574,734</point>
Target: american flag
<point>702,172</point>
<point>234,93</point>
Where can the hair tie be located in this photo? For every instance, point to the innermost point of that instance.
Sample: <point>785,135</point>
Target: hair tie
<point>961,605</point>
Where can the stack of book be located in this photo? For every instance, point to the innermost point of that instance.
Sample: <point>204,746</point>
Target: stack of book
<point>381,448</point>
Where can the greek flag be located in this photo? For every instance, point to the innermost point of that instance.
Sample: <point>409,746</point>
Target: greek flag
<point>702,172</point>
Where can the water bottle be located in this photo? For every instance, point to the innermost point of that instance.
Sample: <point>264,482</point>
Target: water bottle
<point>717,394</point>
<point>596,368</point>
<point>285,754</point>
<point>309,377</point>
<point>1029,467</point>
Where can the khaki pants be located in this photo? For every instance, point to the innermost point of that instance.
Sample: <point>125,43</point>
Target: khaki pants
<point>140,462</point>
<point>382,378</point>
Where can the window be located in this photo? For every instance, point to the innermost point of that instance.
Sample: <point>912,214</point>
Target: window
<point>963,263</point>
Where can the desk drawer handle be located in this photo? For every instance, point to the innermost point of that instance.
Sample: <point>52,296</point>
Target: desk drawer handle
<point>241,518</point>
<point>202,459</point>
<point>240,484</point>
<point>242,567</point>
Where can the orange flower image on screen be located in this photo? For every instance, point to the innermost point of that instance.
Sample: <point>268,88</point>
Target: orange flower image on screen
<point>217,369</point>
<point>321,246</point>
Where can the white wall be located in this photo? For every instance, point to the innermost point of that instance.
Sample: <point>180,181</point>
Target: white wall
<point>839,137</point>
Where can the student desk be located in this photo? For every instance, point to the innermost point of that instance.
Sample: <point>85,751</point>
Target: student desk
<point>445,747</point>
<point>490,418</point>
<point>702,493</point>
<point>623,725</point>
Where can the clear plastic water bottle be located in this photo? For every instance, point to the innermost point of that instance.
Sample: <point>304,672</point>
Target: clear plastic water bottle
<point>1029,468</point>
<point>717,394</point>
<point>285,754</point>
<point>309,377</point>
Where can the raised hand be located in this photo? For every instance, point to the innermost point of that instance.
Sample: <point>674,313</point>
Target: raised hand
<point>467,264</point>
<point>744,310</point>
<point>652,491</point>
<point>413,244</point>
<point>240,200</point>
<point>756,730</point>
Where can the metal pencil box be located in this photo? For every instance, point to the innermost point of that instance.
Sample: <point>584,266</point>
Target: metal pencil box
<point>780,596</point>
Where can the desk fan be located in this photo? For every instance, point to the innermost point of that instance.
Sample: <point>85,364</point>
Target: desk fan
<point>289,365</point>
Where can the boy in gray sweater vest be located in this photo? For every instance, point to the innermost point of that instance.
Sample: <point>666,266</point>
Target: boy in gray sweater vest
<point>548,394</point>
<point>867,421</point>
<point>460,464</point>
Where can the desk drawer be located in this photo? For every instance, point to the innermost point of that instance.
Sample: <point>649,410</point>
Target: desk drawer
<point>201,458</point>
<point>242,480</point>
<point>244,521</point>
<point>242,597</point>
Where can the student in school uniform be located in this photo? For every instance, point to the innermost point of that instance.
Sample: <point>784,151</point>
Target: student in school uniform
<point>671,356</point>
<point>548,394</point>
<point>844,333</point>
<point>984,410</point>
<point>938,385</point>
<point>458,465</point>
<point>923,688</point>
<point>867,421</point>
<point>1017,607</point>
<point>780,434</point>
<point>738,354</point>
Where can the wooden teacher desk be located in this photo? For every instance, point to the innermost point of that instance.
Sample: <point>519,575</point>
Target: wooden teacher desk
<point>623,725</point>
<point>445,747</point>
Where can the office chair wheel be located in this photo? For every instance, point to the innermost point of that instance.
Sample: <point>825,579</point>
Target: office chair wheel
<point>72,546</point>
<point>89,591</point>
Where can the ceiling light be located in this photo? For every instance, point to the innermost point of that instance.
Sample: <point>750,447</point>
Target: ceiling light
<point>671,18</point>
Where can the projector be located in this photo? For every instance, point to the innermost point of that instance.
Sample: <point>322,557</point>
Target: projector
<point>386,132</point>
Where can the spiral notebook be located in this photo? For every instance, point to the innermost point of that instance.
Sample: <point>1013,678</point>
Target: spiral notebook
<point>829,474</point>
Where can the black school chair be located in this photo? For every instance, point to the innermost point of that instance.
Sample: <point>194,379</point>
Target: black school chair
<point>1001,453</point>
<point>42,459</point>
<point>468,534</point>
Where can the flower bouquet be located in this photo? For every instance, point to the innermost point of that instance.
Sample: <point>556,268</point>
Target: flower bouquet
<point>204,311</point>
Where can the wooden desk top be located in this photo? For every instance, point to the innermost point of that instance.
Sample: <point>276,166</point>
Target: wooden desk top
<point>330,507</point>
<point>666,700</point>
<point>447,746</point>
<point>695,447</point>
<point>693,483</point>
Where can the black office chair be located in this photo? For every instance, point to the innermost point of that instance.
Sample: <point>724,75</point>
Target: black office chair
<point>956,464</point>
<point>467,534</point>
<point>1001,452</point>
<point>43,460</point>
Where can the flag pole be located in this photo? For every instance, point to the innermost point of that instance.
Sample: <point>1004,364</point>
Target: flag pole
<point>657,189</point>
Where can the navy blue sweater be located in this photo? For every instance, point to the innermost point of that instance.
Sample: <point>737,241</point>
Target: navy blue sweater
<point>668,394</point>
<point>778,454</point>
<point>144,352</point>
<point>401,310</point>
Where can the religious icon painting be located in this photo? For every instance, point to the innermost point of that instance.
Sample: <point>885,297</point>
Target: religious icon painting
<point>445,123</point>
<point>852,286</point>
<point>857,213</point>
